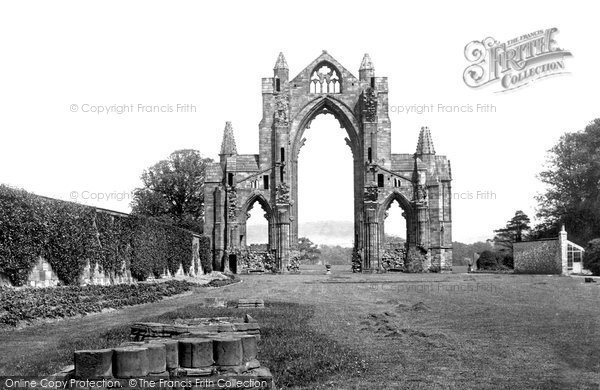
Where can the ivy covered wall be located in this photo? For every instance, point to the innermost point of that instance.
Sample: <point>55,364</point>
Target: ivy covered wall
<point>73,237</point>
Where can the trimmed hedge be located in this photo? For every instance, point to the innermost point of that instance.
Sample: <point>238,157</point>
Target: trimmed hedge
<point>69,236</point>
<point>22,232</point>
<point>591,257</point>
<point>18,305</point>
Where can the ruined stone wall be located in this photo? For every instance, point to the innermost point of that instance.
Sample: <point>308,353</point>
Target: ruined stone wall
<point>361,106</point>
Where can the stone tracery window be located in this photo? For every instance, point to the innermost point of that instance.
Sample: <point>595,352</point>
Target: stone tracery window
<point>325,79</point>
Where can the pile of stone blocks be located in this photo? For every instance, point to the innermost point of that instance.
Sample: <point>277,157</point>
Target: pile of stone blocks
<point>250,303</point>
<point>196,327</point>
<point>202,348</point>
<point>174,358</point>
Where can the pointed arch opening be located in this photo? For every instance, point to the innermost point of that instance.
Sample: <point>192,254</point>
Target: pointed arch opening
<point>396,229</point>
<point>256,224</point>
<point>343,162</point>
<point>325,166</point>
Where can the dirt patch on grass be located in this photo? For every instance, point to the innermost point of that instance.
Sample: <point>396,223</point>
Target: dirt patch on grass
<point>389,324</point>
<point>418,307</point>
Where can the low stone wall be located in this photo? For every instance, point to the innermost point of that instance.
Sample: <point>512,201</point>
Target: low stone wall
<point>249,303</point>
<point>538,257</point>
<point>194,328</point>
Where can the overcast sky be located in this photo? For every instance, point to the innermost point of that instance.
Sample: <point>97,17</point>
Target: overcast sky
<point>213,54</point>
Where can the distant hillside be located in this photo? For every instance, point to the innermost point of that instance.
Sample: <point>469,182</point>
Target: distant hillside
<point>321,232</point>
<point>328,232</point>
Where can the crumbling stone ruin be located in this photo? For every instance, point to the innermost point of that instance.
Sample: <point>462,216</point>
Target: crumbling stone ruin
<point>420,182</point>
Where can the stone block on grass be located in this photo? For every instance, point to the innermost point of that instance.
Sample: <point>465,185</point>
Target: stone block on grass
<point>171,350</point>
<point>130,362</point>
<point>93,363</point>
<point>249,347</point>
<point>228,351</point>
<point>157,358</point>
<point>196,352</point>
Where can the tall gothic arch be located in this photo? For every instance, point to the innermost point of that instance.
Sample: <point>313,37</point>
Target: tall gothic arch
<point>420,181</point>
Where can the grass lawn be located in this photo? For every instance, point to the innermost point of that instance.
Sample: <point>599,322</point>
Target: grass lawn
<point>377,331</point>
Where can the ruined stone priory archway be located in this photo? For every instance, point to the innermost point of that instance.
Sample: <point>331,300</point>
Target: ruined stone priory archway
<point>420,181</point>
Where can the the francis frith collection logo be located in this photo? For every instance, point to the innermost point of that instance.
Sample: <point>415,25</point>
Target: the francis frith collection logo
<point>515,63</point>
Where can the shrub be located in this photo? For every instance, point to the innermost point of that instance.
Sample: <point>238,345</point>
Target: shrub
<point>356,261</point>
<point>495,261</point>
<point>18,305</point>
<point>507,260</point>
<point>487,260</point>
<point>270,262</point>
<point>414,260</point>
<point>252,261</point>
<point>295,257</point>
<point>591,257</point>
<point>435,269</point>
<point>393,258</point>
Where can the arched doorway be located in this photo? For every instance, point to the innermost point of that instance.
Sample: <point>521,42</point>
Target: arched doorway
<point>253,231</point>
<point>396,226</point>
<point>253,207</point>
<point>257,227</point>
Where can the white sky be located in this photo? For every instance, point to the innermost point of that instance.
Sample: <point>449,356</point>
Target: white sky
<point>213,55</point>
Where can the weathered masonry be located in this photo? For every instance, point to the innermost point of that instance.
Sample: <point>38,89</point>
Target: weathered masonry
<point>420,182</point>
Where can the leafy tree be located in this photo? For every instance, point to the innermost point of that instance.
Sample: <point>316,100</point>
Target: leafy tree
<point>572,177</point>
<point>173,190</point>
<point>336,254</point>
<point>515,231</point>
<point>309,252</point>
<point>591,257</point>
<point>544,229</point>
